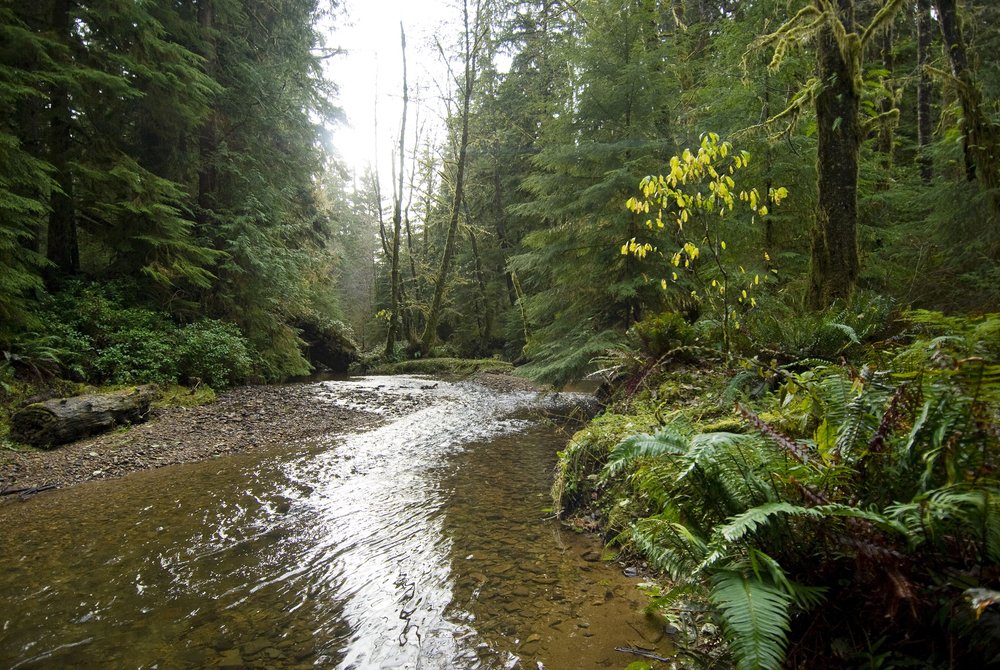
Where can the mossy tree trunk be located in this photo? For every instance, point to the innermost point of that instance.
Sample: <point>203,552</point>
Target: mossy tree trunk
<point>924,90</point>
<point>980,136</point>
<point>834,263</point>
<point>434,314</point>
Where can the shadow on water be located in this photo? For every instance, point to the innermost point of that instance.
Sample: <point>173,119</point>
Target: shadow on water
<point>421,544</point>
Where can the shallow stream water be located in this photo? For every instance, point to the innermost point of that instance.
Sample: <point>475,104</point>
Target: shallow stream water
<point>424,543</point>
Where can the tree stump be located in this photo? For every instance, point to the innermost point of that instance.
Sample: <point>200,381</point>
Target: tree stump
<point>61,420</point>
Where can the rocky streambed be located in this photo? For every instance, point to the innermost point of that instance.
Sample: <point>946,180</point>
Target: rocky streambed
<point>422,537</point>
<point>242,419</point>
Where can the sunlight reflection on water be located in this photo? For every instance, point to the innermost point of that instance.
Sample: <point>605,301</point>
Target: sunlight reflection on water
<point>419,544</point>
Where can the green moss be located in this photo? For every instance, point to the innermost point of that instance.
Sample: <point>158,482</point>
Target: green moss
<point>587,452</point>
<point>730,424</point>
<point>182,396</point>
<point>444,366</point>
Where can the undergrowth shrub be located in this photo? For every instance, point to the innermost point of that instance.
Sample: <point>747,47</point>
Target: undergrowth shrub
<point>103,337</point>
<point>790,333</point>
<point>137,354</point>
<point>660,334</point>
<point>855,515</point>
<point>213,352</point>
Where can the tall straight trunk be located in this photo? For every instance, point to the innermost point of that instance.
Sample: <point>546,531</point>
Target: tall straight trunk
<point>980,136</point>
<point>208,137</point>
<point>834,259</point>
<point>484,315</point>
<point>62,245</point>
<point>500,224</point>
<point>397,213</point>
<point>434,315</point>
<point>886,139</point>
<point>924,90</point>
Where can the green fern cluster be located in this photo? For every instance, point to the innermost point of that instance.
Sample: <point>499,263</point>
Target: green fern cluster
<point>863,505</point>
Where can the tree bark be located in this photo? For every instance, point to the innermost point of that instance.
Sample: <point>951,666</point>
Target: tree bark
<point>980,136</point>
<point>886,138</point>
<point>834,260</point>
<point>62,246</point>
<point>54,422</point>
<point>397,215</point>
<point>208,137</point>
<point>500,224</point>
<point>924,90</point>
<point>434,315</point>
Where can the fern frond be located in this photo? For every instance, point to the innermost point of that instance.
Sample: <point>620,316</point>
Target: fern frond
<point>708,448</point>
<point>755,618</point>
<point>805,597</point>
<point>667,441</point>
<point>746,523</point>
<point>670,546</point>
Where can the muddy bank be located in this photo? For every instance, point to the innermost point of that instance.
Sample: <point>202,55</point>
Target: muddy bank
<point>241,419</point>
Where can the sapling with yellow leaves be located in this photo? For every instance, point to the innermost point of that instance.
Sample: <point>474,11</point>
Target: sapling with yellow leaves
<point>688,204</point>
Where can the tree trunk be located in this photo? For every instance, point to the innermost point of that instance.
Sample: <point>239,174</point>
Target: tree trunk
<point>484,314</point>
<point>397,215</point>
<point>501,227</point>
<point>886,139</point>
<point>208,137</point>
<point>62,244</point>
<point>834,260</point>
<point>434,315</point>
<point>980,137</point>
<point>924,91</point>
<point>54,422</point>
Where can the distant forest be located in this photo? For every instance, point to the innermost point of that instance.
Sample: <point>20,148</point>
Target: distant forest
<point>168,202</point>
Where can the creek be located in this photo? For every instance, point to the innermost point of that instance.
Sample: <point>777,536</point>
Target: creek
<point>426,542</point>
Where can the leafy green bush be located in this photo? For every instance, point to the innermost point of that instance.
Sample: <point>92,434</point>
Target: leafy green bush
<point>104,337</point>
<point>660,334</point>
<point>861,504</point>
<point>134,355</point>
<point>214,352</point>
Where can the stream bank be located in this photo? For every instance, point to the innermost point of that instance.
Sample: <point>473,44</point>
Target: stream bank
<point>246,418</point>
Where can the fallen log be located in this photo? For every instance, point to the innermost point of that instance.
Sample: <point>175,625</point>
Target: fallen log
<point>61,420</point>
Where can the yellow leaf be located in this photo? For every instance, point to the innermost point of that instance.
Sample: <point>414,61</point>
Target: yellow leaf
<point>663,283</point>
<point>723,245</point>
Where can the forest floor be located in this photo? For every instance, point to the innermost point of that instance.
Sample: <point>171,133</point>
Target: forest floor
<point>241,419</point>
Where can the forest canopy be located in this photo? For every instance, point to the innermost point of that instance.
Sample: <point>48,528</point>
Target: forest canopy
<point>174,153</point>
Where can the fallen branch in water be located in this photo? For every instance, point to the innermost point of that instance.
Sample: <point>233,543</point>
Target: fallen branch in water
<point>643,653</point>
<point>27,492</point>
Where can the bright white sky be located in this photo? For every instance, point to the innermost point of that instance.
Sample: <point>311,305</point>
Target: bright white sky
<point>370,74</point>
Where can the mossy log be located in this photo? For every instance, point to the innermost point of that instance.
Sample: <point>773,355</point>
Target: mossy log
<point>61,420</point>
